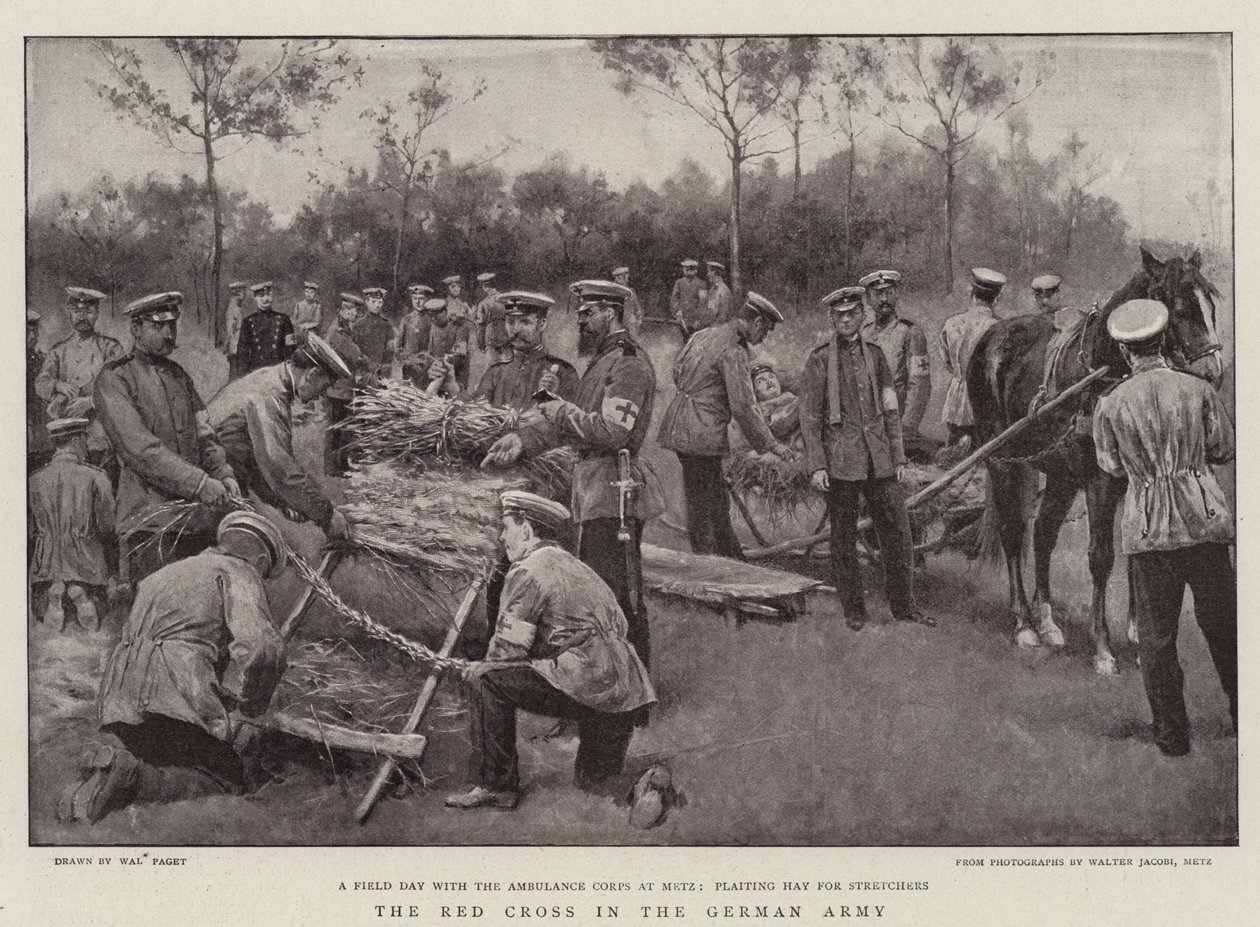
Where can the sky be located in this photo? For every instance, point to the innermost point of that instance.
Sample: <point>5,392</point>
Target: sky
<point>1156,111</point>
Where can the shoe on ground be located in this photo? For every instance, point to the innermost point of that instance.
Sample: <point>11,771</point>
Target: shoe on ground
<point>1174,747</point>
<point>106,783</point>
<point>855,622</point>
<point>650,798</point>
<point>55,614</point>
<point>481,797</point>
<point>89,618</point>
<point>918,617</point>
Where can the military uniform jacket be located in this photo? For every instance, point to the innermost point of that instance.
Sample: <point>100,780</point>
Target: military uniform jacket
<point>456,308</point>
<point>514,382</point>
<point>375,338</point>
<point>69,371</point>
<point>959,336</point>
<point>455,337</point>
<point>559,615</point>
<point>717,306</point>
<point>1162,429</point>
<point>850,422</point>
<point>714,380</point>
<point>413,335</point>
<point>232,328</point>
<point>905,348</point>
<point>612,410</point>
<point>266,338</point>
<point>199,642</point>
<point>491,320</point>
<point>159,429</point>
<point>71,509</point>
<point>253,418</point>
<point>341,340</point>
<point>307,316</point>
<point>37,440</point>
<point>685,300</point>
<point>633,312</point>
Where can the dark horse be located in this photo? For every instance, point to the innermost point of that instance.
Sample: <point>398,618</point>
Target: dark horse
<point>1007,372</point>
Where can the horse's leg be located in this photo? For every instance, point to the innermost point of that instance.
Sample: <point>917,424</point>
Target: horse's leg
<point>1102,494</point>
<point>1006,484</point>
<point>1060,493</point>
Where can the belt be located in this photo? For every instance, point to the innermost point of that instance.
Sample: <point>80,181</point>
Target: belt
<point>604,455</point>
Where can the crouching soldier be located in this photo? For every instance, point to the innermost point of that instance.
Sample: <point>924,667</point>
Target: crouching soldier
<point>72,518</point>
<point>198,650</point>
<point>559,648</point>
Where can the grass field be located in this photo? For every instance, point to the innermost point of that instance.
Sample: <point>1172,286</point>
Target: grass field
<point>805,733</point>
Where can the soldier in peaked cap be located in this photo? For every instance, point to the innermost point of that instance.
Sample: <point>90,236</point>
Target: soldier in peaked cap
<point>1163,429</point>
<point>337,398</point>
<point>158,427</point>
<point>634,309</point>
<point>515,381</point>
<point>232,321</point>
<point>959,336</point>
<point>1045,289</point>
<point>688,298</point>
<point>490,321</point>
<point>559,648</point>
<point>456,306</point>
<point>413,335</point>
<point>851,426</point>
<point>267,336</point>
<point>905,348</point>
<point>69,372</point>
<point>717,302</point>
<point>373,333</point>
<point>253,417</point>
<point>714,385</point>
<point>198,651</point>
<point>612,410</point>
<point>308,314</point>
<point>71,511</point>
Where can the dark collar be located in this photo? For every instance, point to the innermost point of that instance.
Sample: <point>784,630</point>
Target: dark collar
<point>613,339</point>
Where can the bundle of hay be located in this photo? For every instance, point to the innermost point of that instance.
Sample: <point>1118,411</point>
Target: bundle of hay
<point>781,486</point>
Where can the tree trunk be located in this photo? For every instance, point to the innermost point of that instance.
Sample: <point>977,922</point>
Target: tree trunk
<point>796,158</point>
<point>737,168</point>
<point>398,233</point>
<point>216,248</point>
<point>949,220</point>
<point>848,213</point>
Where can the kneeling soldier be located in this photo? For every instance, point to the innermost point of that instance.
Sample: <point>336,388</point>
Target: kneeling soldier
<point>198,650</point>
<point>559,649</point>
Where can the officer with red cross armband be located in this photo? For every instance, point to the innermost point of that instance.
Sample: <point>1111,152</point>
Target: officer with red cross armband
<point>611,411</point>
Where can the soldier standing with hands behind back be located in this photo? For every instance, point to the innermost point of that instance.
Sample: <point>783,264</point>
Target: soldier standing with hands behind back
<point>851,427</point>
<point>266,335</point>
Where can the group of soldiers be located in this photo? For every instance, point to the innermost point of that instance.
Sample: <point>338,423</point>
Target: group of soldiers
<point>570,632</point>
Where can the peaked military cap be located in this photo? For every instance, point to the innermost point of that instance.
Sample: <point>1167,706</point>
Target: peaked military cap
<point>535,508</point>
<point>485,278</point>
<point>419,288</point>
<point>352,298</point>
<point>1137,320</point>
<point>265,287</point>
<point>878,279</point>
<point>844,299</point>
<point>618,271</point>
<point>309,285</point>
<point>377,292</point>
<point>763,307</point>
<point>434,305</point>
<point>689,263</point>
<point>237,285</point>
<point>987,281</point>
<point>324,356</point>
<point>602,292</point>
<point>32,317</point>
<point>160,307</point>
<point>716,265</point>
<point>66,427</point>
<point>254,524</point>
<point>453,278</point>
<point>1046,283</point>
<point>520,302</point>
<point>82,296</point>
<point>762,367</point>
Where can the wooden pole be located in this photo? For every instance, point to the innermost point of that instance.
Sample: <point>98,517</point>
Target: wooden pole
<point>327,565</point>
<point>421,707</point>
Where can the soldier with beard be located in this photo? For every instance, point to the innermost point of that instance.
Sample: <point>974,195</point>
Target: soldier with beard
<point>612,410</point>
<point>905,348</point>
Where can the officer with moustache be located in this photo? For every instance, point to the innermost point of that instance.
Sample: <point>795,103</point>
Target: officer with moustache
<point>267,336</point>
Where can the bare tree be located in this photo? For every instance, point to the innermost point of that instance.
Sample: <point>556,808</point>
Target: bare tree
<point>227,98</point>
<point>801,102</point>
<point>735,86</point>
<point>407,162</point>
<point>856,67</point>
<point>1081,172</point>
<point>960,86</point>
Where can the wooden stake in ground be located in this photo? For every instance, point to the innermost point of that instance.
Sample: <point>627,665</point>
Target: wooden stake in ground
<point>390,765</point>
<point>327,565</point>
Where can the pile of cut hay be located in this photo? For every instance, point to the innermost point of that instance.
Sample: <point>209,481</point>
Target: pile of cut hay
<point>781,486</point>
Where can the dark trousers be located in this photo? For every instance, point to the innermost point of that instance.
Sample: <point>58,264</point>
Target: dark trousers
<point>603,738</point>
<point>336,455</point>
<point>178,761</point>
<point>887,508</point>
<point>148,552</point>
<point>1159,584</point>
<point>599,549</point>
<point>708,508</point>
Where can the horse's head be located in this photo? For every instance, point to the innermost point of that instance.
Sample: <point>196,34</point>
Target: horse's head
<point>1178,283</point>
